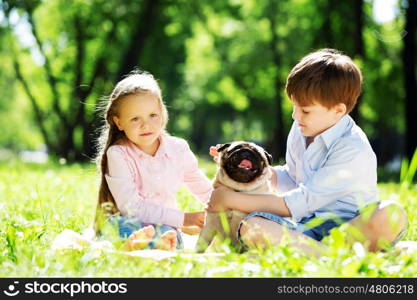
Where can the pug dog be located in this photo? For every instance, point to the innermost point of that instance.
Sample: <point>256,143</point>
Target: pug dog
<point>243,167</point>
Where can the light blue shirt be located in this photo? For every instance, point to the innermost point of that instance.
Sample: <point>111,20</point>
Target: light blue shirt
<point>333,177</point>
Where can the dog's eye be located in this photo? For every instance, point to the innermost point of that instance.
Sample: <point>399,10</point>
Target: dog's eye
<point>238,147</point>
<point>222,147</point>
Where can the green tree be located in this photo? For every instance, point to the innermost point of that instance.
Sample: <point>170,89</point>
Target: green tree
<point>237,63</point>
<point>85,47</point>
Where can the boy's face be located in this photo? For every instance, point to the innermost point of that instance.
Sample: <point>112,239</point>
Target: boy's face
<point>316,118</point>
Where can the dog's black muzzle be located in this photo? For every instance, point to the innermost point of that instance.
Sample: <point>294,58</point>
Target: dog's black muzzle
<point>243,175</point>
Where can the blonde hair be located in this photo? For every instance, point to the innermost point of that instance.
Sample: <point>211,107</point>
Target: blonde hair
<point>136,82</point>
<point>326,76</point>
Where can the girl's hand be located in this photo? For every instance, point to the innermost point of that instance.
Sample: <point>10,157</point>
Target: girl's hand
<point>219,199</point>
<point>213,152</point>
<point>195,219</point>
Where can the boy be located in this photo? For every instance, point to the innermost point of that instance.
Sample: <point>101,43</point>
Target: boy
<point>330,171</point>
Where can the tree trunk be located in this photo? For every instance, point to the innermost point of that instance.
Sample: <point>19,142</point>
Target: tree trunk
<point>358,48</point>
<point>278,143</point>
<point>137,41</point>
<point>324,37</point>
<point>409,63</point>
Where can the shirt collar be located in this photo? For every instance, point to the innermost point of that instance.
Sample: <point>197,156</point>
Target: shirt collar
<point>165,148</point>
<point>337,130</point>
<point>163,151</point>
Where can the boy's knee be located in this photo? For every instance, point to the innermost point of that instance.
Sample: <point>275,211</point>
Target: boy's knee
<point>387,224</point>
<point>249,226</point>
<point>250,231</point>
<point>392,214</point>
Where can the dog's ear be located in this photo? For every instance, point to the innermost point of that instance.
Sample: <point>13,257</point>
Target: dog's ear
<point>223,146</point>
<point>268,157</point>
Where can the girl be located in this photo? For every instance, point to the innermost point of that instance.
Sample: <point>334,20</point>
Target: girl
<point>142,167</point>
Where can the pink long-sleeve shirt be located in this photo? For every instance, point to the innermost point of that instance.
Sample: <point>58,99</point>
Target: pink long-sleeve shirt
<point>145,186</point>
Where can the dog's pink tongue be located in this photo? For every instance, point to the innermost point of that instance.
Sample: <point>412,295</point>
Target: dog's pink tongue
<point>247,164</point>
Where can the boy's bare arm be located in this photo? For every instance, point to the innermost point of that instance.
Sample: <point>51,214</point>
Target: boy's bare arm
<point>223,199</point>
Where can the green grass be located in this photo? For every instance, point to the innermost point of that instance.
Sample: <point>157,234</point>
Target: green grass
<point>40,201</point>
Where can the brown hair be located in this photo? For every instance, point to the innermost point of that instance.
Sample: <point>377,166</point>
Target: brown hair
<point>325,76</point>
<point>136,82</point>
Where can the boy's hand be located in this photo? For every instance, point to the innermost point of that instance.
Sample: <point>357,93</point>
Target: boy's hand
<point>195,219</point>
<point>219,199</point>
<point>213,152</point>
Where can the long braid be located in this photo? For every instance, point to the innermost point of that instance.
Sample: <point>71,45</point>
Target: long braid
<point>106,206</point>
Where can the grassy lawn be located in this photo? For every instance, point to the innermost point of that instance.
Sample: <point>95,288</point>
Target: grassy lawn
<point>40,201</point>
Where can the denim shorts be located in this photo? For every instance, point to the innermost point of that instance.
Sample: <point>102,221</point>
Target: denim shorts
<point>128,225</point>
<point>317,232</point>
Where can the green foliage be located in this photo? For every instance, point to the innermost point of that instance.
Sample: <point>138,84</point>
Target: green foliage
<point>40,201</point>
<point>222,66</point>
<point>408,170</point>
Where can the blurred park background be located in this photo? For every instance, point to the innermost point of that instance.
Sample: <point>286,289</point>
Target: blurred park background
<point>222,66</point>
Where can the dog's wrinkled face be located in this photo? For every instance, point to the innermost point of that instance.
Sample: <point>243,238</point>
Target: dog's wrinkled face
<point>243,161</point>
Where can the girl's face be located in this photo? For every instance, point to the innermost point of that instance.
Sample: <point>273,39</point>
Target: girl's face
<point>140,117</point>
<point>316,118</point>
